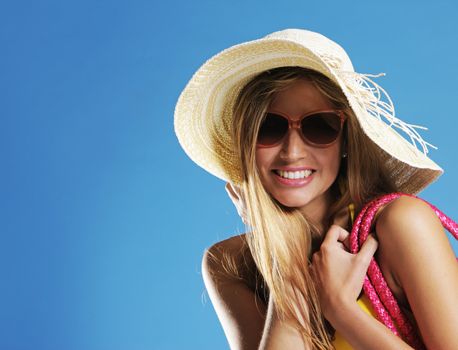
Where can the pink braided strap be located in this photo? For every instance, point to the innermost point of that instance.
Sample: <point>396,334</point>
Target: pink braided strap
<point>375,287</point>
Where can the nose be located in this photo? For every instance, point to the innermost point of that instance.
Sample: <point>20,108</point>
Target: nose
<point>293,146</point>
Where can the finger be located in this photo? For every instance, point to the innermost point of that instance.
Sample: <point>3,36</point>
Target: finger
<point>346,243</point>
<point>368,249</point>
<point>231,192</point>
<point>312,271</point>
<point>342,246</point>
<point>334,234</point>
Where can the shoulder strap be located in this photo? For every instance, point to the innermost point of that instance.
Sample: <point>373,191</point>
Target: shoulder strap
<point>375,287</point>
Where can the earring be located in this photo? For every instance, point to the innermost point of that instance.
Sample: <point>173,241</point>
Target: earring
<point>344,155</point>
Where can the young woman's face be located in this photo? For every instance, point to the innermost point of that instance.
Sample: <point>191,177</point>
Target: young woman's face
<point>292,154</point>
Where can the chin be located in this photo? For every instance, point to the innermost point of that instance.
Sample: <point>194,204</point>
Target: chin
<point>292,202</point>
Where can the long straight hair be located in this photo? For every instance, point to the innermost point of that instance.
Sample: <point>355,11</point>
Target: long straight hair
<point>280,238</point>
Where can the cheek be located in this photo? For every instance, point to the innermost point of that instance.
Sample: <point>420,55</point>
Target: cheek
<point>335,162</point>
<point>259,159</point>
<point>331,159</point>
<point>264,158</point>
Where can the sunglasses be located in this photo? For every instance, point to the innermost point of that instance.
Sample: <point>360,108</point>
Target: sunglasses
<point>318,129</point>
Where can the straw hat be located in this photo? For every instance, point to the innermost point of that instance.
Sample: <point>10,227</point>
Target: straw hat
<point>204,109</point>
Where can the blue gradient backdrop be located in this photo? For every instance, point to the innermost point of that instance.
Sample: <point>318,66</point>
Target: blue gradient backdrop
<point>103,218</point>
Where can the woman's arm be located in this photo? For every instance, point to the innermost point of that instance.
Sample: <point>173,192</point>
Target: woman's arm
<point>416,252</point>
<point>241,313</point>
<point>414,247</point>
<point>280,335</point>
<point>247,322</point>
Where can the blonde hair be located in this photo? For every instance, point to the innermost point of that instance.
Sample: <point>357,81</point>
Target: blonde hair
<point>281,238</point>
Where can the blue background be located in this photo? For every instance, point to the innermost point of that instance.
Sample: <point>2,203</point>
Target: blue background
<point>103,218</point>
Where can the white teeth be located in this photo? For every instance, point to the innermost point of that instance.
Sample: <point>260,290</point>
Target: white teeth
<point>294,174</point>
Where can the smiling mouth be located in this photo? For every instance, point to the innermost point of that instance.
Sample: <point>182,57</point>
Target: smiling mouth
<point>293,175</point>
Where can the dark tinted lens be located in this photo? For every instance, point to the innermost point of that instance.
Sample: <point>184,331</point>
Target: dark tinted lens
<point>272,130</point>
<point>321,128</point>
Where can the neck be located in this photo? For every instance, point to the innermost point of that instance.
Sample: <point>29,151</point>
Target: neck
<point>318,212</point>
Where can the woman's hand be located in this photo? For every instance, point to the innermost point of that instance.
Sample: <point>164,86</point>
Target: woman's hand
<point>339,274</point>
<point>235,194</point>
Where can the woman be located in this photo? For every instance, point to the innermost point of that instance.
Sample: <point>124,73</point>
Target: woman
<point>298,135</point>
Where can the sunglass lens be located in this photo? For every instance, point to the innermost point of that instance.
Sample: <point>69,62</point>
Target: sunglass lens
<point>272,129</point>
<point>321,128</point>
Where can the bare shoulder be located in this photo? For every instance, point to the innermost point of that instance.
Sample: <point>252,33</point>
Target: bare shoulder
<point>405,206</point>
<point>407,224</point>
<point>414,249</point>
<point>226,254</point>
<point>409,215</point>
<point>409,232</point>
<point>226,269</point>
<point>231,244</point>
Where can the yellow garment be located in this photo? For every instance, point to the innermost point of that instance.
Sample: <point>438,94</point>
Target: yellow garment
<point>339,342</point>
